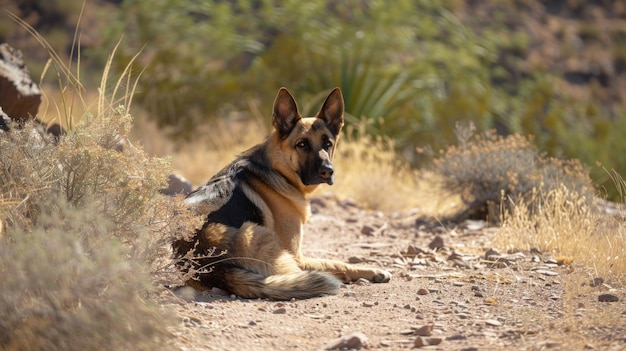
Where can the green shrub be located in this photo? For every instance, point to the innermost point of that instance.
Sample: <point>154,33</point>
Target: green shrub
<point>208,59</point>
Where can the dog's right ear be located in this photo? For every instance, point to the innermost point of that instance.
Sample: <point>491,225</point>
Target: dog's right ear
<point>286,113</point>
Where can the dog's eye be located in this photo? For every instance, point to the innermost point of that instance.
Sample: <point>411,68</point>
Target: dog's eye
<point>302,144</point>
<point>328,144</point>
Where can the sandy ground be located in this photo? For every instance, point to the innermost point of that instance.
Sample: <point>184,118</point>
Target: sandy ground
<point>450,291</point>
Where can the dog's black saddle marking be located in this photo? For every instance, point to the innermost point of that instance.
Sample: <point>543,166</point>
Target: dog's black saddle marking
<point>223,200</point>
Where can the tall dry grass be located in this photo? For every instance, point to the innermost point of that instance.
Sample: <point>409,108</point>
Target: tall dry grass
<point>561,221</point>
<point>369,171</point>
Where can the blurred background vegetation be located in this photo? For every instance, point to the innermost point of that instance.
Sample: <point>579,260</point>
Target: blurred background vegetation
<point>409,70</point>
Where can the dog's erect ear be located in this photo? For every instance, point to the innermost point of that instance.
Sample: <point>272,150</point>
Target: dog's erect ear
<point>286,113</point>
<point>332,111</point>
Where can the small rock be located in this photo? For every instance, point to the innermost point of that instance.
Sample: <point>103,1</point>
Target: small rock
<point>421,341</point>
<point>608,298</point>
<point>456,337</point>
<point>436,243</point>
<point>368,230</point>
<point>355,259</point>
<point>596,282</point>
<point>369,304</point>
<point>414,250</point>
<point>493,322</point>
<point>352,341</point>
<point>492,255</point>
<point>434,341</point>
<point>281,310</point>
<point>475,224</point>
<point>422,291</point>
<point>425,330</point>
<point>478,292</point>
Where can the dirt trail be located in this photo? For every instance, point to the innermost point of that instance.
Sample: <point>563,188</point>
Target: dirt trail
<point>449,292</point>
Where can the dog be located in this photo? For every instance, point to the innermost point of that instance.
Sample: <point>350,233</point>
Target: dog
<point>251,242</point>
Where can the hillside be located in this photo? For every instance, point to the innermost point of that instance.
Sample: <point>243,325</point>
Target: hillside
<point>582,42</point>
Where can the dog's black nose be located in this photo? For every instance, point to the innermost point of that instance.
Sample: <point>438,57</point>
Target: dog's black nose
<point>326,171</point>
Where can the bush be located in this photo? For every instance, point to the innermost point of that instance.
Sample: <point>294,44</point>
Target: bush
<point>488,168</point>
<point>69,285</point>
<point>86,232</point>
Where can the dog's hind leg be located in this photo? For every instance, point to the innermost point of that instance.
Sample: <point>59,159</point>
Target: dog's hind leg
<point>344,271</point>
<point>257,266</point>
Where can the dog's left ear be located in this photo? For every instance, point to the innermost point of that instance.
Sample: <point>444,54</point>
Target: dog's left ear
<point>332,111</point>
<point>286,113</point>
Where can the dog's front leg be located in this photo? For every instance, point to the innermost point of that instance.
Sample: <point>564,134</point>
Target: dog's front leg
<point>346,272</point>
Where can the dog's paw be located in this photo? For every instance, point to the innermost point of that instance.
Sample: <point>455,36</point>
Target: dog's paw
<point>381,276</point>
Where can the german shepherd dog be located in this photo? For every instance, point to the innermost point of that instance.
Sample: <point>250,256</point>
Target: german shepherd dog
<point>256,206</point>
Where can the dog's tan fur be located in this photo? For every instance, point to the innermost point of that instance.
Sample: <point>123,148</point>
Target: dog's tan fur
<point>256,208</point>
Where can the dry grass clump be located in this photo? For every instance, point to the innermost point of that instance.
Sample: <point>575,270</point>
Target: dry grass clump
<point>487,168</point>
<point>561,221</point>
<point>369,172</point>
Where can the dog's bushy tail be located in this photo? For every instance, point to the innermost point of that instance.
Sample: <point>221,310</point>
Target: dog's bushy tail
<point>298,285</point>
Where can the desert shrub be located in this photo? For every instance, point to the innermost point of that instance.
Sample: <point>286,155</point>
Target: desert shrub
<point>85,237</point>
<point>84,231</point>
<point>487,168</point>
<point>68,284</point>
